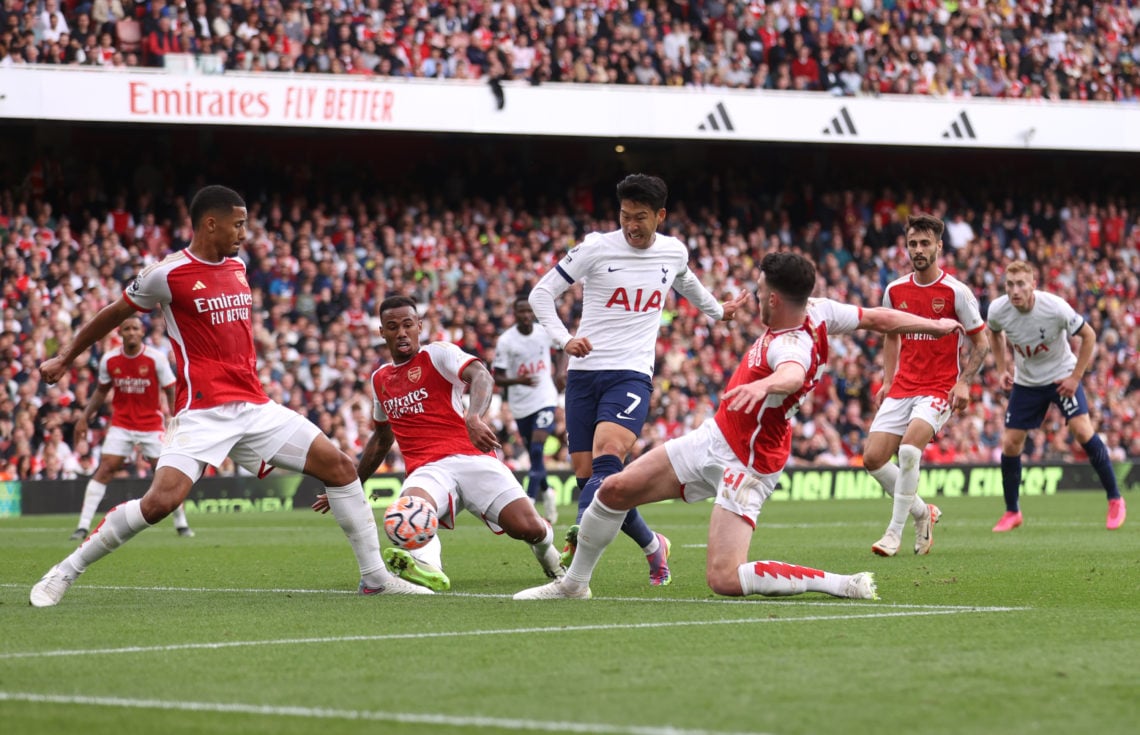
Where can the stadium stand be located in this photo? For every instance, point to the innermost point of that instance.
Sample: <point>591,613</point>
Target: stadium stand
<point>1065,50</point>
<point>355,219</point>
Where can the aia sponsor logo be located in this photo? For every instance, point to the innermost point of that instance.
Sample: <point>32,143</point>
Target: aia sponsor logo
<point>640,301</point>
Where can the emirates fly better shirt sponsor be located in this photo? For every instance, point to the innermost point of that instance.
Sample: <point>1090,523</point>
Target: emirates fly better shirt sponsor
<point>928,365</point>
<point>207,310</point>
<point>136,382</point>
<point>423,401</point>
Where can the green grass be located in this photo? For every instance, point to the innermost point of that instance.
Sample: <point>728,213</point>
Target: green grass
<point>252,628</point>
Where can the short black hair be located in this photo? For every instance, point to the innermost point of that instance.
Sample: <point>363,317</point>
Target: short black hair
<point>643,189</point>
<point>214,198</point>
<point>789,274</point>
<point>395,302</point>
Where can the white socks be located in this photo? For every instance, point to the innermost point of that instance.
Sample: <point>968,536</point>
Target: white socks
<point>92,496</point>
<point>119,526</point>
<point>888,478</point>
<point>906,488</point>
<point>430,553</point>
<point>780,579</point>
<point>599,527</point>
<point>354,516</point>
<point>179,516</point>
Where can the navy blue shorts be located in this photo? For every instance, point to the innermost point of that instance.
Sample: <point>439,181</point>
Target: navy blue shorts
<point>618,396</point>
<point>542,419</point>
<point>1029,404</point>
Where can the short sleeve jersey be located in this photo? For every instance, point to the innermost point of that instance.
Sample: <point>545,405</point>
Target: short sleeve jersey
<point>136,382</point>
<point>763,440</point>
<point>1039,337</point>
<point>422,399</point>
<point>623,293</point>
<point>207,310</point>
<point>928,365</point>
<point>520,355</point>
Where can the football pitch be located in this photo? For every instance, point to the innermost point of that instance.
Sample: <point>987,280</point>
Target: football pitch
<point>254,627</point>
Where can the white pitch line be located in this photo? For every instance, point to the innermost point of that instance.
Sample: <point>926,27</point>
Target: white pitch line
<point>470,633</point>
<point>321,713</point>
<point>767,601</point>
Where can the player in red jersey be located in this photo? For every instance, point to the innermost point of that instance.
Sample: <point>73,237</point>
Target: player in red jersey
<point>138,375</point>
<point>923,382</point>
<point>220,408</point>
<point>448,450</point>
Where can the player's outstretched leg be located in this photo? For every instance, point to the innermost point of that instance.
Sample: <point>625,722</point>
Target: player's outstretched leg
<point>780,579</point>
<point>120,525</point>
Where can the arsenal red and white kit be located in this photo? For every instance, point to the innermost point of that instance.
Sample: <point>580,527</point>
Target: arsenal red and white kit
<point>928,365</point>
<point>207,310</point>
<point>763,440</point>
<point>423,401</point>
<point>137,382</point>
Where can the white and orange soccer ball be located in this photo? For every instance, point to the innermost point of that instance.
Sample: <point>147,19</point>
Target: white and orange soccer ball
<point>410,522</point>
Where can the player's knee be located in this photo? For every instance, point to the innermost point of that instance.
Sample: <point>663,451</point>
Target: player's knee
<point>529,529</point>
<point>1012,446</point>
<point>909,457</point>
<point>872,461</point>
<point>616,492</point>
<point>341,471</point>
<point>723,581</point>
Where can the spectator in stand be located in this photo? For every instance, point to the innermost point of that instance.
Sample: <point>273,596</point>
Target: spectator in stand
<point>160,42</point>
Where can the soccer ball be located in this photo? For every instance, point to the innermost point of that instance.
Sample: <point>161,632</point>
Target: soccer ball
<point>410,522</point>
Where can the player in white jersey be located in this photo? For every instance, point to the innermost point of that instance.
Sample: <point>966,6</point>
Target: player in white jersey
<point>738,457</point>
<point>626,276</point>
<point>135,375</point>
<point>448,450</point>
<point>523,365</point>
<point>1038,326</point>
<point>221,408</point>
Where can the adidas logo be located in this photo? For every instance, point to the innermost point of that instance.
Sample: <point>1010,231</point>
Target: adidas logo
<point>965,130</point>
<point>841,124</point>
<point>717,119</point>
<point>198,286</point>
<point>902,306</point>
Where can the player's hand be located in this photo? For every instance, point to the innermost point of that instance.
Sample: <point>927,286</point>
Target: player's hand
<point>80,430</point>
<point>322,504</point>
<point>560,382</point>
<point>733,305</point>
<point>1067,388</point>
<point>531,380</point>
<point>881,394</point>
<point>943,327</point>
<point>53,369</point>
<point>746,397</point>
<point>482,435</point>
<point>1007,381</point>
<point>959,397</point>
<point>578,347</point>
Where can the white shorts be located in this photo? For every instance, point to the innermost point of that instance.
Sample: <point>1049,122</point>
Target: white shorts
<point>896,413</point>
<point>478,482</point>
<point>121,442</point>
<point>708,468</point>
<point>257,436</point>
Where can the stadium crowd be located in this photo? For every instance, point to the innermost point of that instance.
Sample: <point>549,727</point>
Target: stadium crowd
<point>319,264</point>
<point>1038,49</point>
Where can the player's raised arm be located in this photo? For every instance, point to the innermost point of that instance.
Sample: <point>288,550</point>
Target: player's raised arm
<point>109,317</point>
<point>894,321</point>
<point>689,286</point>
